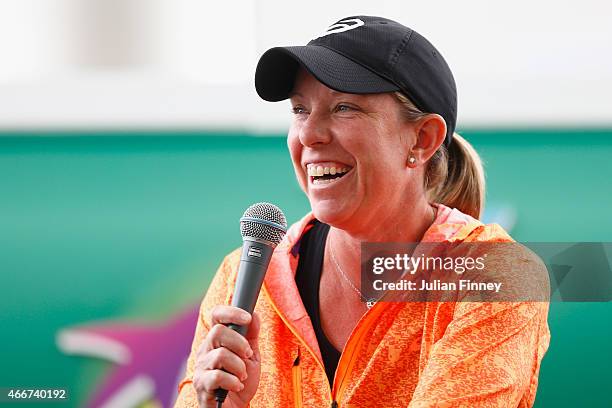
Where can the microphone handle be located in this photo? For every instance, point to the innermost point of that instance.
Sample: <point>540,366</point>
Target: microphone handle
<point>254,263</point>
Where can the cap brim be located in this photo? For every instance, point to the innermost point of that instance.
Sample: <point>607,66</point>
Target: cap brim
<point>277,68</point>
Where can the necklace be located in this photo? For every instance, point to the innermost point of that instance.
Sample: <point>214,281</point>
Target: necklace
<point>369,301</point>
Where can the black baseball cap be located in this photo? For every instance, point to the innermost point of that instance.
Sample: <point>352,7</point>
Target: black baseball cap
<point>362,55</point>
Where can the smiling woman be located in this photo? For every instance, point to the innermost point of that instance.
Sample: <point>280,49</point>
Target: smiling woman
<point>369,136</point>
<point>373,147</point>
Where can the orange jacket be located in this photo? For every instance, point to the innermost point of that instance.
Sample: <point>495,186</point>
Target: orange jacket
<point>433,354</point>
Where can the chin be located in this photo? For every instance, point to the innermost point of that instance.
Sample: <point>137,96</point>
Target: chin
<point>329,212</point>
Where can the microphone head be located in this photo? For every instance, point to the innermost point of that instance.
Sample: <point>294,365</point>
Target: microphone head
<point>264,222</point>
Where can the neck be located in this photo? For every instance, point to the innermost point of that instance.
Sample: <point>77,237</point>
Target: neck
<point>408,225</point>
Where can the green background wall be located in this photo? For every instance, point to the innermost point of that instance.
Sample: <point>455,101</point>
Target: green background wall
<point>132,226</point>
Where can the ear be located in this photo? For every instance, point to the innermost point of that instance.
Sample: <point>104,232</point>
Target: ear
<point>430,134</point>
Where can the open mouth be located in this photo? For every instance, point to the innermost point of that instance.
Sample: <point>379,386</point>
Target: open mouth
<point>325,175</point>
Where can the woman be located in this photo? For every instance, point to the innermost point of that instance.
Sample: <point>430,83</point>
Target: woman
<point>373,147</point>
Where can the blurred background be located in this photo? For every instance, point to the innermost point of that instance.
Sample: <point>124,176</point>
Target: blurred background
<point>127,128</point>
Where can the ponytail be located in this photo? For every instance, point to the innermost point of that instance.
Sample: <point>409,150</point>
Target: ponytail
<point>454,175</point>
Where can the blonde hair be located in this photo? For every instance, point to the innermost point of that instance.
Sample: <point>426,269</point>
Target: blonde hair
<point>454,175</point>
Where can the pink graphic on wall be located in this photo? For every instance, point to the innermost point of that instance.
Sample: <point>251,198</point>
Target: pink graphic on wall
<point>149,358</point>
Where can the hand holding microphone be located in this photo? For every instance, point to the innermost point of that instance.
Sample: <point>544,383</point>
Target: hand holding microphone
<point>228,358</point>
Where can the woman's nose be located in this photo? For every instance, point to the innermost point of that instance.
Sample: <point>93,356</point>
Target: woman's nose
<point>314,130</point>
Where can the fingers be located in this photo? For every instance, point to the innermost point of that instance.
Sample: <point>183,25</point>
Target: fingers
<point>224,359</point>
<point>208,381</point>
<point>222,314</point>
<point>222,336</point>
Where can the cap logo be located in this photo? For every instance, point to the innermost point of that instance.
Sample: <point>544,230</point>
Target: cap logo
<point>342,26</point>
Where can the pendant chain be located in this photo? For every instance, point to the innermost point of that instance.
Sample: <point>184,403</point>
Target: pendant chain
<point>369,302</point>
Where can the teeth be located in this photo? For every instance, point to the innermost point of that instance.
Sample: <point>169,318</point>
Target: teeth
<point>318,171</point>
<point>320,181</point>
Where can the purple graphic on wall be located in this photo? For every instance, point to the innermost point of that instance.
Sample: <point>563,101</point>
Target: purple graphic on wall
<point>150,358</point>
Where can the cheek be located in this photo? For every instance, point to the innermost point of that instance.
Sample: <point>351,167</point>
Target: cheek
<point>384,161</point>
<point>294,146</point>
<point>295,151</point>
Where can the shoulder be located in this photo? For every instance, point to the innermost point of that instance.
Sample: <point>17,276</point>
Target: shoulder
<point>452,225</point>
<point>220,290</point>
<point>521,270</point>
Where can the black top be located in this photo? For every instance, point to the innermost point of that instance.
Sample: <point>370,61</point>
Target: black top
<point>307,278</point>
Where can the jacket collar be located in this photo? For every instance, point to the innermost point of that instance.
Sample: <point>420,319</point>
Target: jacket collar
<point>450,225</point>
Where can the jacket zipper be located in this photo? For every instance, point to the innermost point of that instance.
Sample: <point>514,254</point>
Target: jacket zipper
<point>292,329</point>
<point>296,372</point>
<point>347,360</point>
<point>351,347</point>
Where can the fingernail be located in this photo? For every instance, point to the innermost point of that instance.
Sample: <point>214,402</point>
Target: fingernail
<point>249,353</point>
<point>244,317</point>
<point>241,387</point>
<point>244,377</point>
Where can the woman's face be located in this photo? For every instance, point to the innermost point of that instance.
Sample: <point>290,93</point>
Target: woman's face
<point>349,152</point>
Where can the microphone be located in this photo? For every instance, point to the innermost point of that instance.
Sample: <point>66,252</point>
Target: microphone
<point>262,227</point>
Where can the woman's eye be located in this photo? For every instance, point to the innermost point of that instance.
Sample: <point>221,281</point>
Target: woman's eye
<point>298,110</point>
<point>344,108</point>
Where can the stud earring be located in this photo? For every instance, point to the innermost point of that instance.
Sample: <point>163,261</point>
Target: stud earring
<point>412,160</point>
